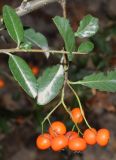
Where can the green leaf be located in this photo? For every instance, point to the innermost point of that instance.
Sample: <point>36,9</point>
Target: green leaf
<point>23,74</point>
<point>49,84</point>
<point>37,39</point>
<point>101,81</point>
<point>26,46</point>
<point>13,24</point>
<point>86,47</point>
<point>88,27</point>
<point>66,33</point>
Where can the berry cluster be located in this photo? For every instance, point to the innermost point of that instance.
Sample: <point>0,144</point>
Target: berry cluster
<point>58,138</point>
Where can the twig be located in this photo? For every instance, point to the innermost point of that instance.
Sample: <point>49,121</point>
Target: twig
<point>63,5</point>
<point>49,114</point>
<point>65,57</point>
<point>79,102</point>
<point>16,50</point>
<point>68,111</point>
<point>30,6</point>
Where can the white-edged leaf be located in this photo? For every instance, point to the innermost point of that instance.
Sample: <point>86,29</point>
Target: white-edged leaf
<point>37,39</point>
<point>49,84</point>
<point>23,74</point>
<point>13,24</point>
<point>88,27</point>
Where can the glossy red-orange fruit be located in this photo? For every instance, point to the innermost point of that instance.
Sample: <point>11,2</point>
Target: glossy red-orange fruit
<point>77,144</point>
<point>76,115</point>
<point>71,135</point>
<point>90,136</point>
<point>43,141</point>
<point>103,137</point>
<point>57,128</point>
<point>58,143</point>
<point>35,70</point>
<point>2,83</point>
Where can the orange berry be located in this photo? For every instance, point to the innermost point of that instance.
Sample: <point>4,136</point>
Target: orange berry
<point>90,136</point>
<point>103,137</point>
<point>57,128</point>
<point>59,143</point>
<point>35,70</point>
<point>43,141</point>
<point>2,83</point>
<point>71,135</point>
<point>77,144</point>
<point>77,116</point>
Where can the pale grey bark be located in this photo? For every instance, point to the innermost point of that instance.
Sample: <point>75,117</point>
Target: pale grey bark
<point>29,6</point>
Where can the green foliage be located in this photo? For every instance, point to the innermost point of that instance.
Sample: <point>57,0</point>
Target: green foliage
<point>49,84</point>
<point>26,46</point>
<point>86,47</point>
<point>66,33</point>
<point>3,125</point>
<point>23,74</point>
<point>13,24</point>
<point>88,27</point>
<point>101,81</point>
<point>36,39</point>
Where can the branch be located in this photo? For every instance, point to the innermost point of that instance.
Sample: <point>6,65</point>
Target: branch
<point>63,5</point>
<point>16,50</point>
<point>27,7</point>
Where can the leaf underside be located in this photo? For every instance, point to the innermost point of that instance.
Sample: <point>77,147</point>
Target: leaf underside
<point>88,27</point>
<point>49,84</point>
<point>37,39</point>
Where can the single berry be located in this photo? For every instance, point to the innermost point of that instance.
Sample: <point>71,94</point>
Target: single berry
<point>57,128</point>
<point>77,144</point>
<point>77,116</point>
<point>59,143</point>
<point>2,83</point>
<point>90,136</point>
<point>103,137</point>
<point>71,135</point>
<point>35,70</point>
<point>43,141</point>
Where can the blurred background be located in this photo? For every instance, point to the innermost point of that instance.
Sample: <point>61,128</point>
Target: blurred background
<point>20,117</point>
